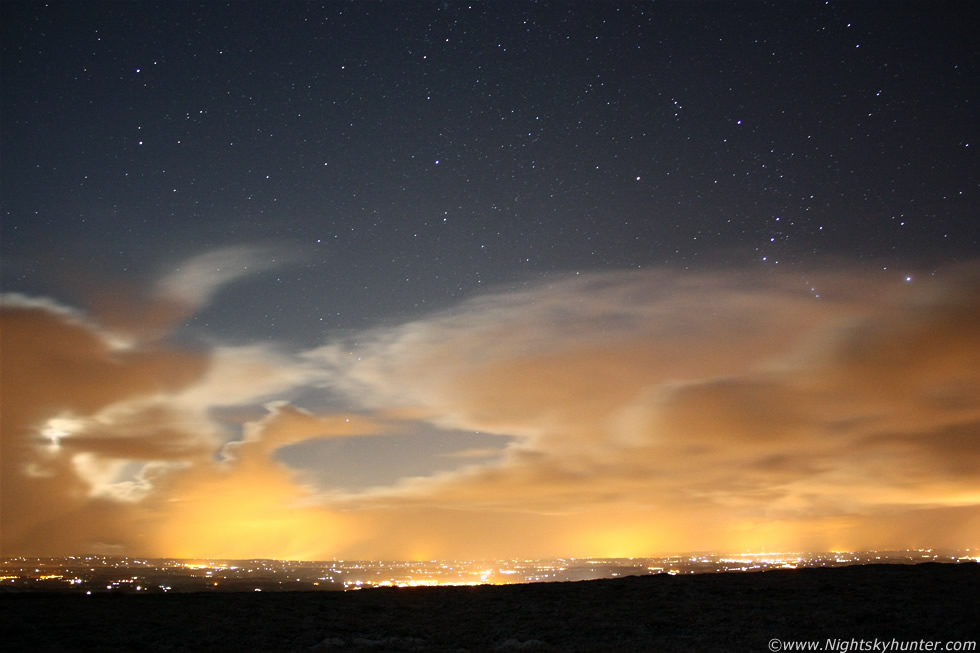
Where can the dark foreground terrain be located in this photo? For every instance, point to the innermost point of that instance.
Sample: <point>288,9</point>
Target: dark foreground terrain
<point>729,612</point>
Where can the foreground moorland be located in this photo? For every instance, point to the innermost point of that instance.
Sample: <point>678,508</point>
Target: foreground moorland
<point>730,611</point>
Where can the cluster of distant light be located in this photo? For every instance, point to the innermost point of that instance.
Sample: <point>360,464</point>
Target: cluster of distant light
<point>90,574</point>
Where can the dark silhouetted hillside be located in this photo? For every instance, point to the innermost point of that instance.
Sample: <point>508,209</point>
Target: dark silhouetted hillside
<point>730,612</point>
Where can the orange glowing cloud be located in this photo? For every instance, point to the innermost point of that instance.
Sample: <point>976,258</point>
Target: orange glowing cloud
<point>647,411</point>
<point>733,397</point>
<point>58,368</point>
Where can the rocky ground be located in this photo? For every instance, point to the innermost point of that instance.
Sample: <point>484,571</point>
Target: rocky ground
<point>709,612</point>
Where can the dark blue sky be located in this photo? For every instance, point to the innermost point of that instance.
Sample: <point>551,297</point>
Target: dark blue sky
<point>578,274</point>
<point>413,153</point>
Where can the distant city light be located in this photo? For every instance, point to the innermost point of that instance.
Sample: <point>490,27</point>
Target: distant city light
<point>122,575</point>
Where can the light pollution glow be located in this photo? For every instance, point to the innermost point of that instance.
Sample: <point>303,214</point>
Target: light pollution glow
<point>647,411</point>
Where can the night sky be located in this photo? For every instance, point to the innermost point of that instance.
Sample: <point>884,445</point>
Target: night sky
<point>496,279</point>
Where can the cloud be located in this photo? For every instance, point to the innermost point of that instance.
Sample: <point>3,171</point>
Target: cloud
<point>59,371</point>
<point>141,310</point>
<point>95,424</point>
<point>646,411</point>
<point>196,280</point>
<point>119,450</point>
<point>286,424</point>
<point>737,396</point>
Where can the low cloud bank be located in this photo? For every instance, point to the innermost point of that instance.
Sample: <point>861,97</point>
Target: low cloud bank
<point>650,411</point>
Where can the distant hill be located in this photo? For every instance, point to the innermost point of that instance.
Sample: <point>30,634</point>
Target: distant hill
<point>703,612</point>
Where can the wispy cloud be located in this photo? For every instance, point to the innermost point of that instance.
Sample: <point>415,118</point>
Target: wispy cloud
<point>138,310</point>
<point>196,280</point>
<point>738,396</point>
